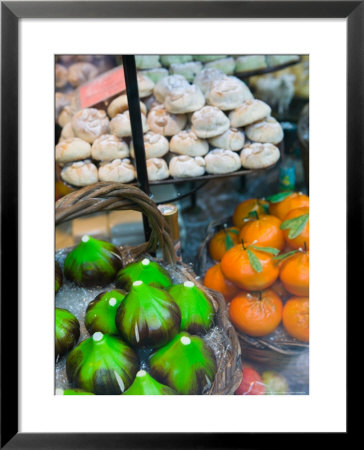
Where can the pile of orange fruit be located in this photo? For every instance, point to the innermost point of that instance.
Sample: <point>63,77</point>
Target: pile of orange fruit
<point>262,265</point>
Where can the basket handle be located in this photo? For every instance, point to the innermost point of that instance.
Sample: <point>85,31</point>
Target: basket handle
<point>110,196</point>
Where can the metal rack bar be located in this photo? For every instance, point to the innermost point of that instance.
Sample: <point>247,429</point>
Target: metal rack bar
<point>136,129</point>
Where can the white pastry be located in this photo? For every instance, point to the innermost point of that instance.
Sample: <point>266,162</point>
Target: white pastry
<point>167,85</point>
<point>61,76</point>
<point>66,132</point>
<point>186,166</point>
<point>184,100</point>
<point>267,130</point>
<point>228,93</point>
<point>209,122</point>
<point>249,112</point>
<point>155,145</point>
<point>65,116</point>
<point>150,102</point>
<point>81,173</point>
<point>121,127</point>
<point>220,161</point>
<point>120,171</point>
<point>81,72</point>
<point>233,139</point>
<point>120,104</point>
<point>145,85</point>
<point>187,143</point>
<point>165,123</point>
<point>157,169</point>
<point>258,156</point>
<point>90,123</point>
<point>72,149</point>
<point>206,77</point>
<point>109,147</point>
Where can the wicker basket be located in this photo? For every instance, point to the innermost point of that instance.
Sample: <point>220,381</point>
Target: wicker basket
<point>274,351</point>
<point>115,196</point>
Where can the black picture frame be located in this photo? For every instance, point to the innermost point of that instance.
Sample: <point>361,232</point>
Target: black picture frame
<point>11,12</point>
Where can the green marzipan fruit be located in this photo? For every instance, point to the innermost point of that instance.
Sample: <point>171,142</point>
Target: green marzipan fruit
<point>67,331</point>
<point>144,384</point>
<point>197,312</point>
<point>76,392</point>
<point>148,316</point>
<point>102,364</point>
<point>58,277</point>
<point>147,271</point>
<point>186,364</point>
<point>92,263</point>
<point>101,312</point>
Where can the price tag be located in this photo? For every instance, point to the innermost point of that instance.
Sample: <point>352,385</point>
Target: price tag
<point>101,88</point>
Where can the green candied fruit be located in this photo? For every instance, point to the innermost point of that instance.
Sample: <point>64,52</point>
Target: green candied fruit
<point>208,58</point>
<point>147,271</point>
<point>72,392</point>
<point>67,331</point>
<point>167,60</point>
<point>58,276</point>
<point>144,384</point>
<point>102,364</point>
<point>92,263</point>
<point>148,316</point>
<point>186,364</point>
<point>197,312</point>
<point>101,312</point>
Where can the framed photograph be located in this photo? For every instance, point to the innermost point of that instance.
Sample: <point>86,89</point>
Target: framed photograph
<point>74,76</point>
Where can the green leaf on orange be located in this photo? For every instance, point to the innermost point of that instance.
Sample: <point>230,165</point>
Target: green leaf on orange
<point>283,256</point>
<point>253,215</point>
<point>272,250</point>
<point>254,261</point>
<point>276,198</point>
<point>265,207</point>
<point>232,230</point>
<point>295,225</point>
<point>228,242</point>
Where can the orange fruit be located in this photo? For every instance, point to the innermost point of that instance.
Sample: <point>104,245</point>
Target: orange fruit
<point>302,240</point>
<point>256,314</point>
<point>294,274</point>
<point>222,241</point>
<point>296,318</point>
<point>214,279</point>
<point>293,201</point>
<point>264,231</point>
<point>249,268</point>
<point>241,213</point>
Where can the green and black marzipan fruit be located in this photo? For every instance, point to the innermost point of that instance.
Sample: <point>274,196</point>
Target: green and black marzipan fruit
<point>144,384</point>
<point>92,263</point>
<point>147,271</point>
<point>148,316</point>
<point>67,331</point>
<point>197,312</point>
<point>102,364</point>
<point>58,276</point>
<point>101,312</point>
<point>186,364</point>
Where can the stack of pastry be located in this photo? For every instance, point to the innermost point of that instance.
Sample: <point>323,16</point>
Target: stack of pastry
<point>213,125</point>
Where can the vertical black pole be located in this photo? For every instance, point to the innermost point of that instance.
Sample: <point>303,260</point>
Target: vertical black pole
<point>136,129</point>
